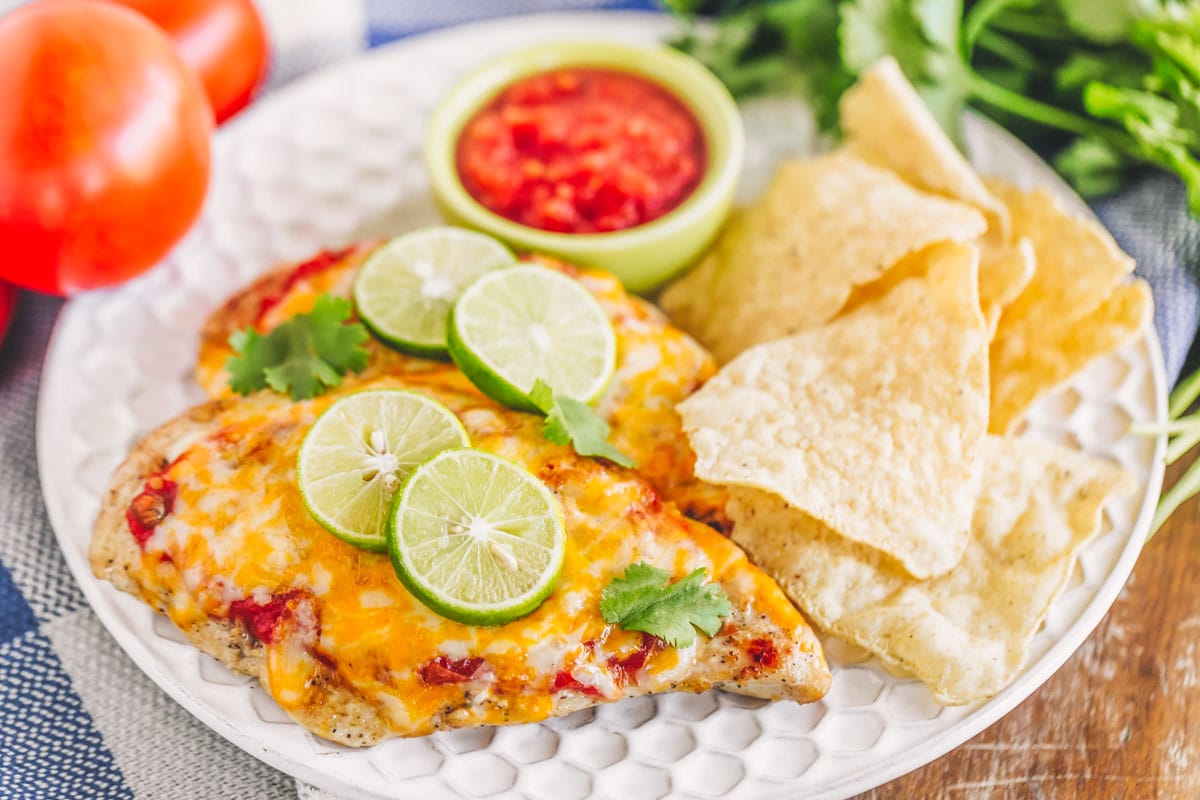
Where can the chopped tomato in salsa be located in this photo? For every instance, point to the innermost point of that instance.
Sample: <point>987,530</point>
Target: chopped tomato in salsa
<point>582,151</point>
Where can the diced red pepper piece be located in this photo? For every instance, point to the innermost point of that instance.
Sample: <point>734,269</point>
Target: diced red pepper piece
<point>441,670</point>
<point>262,620</point>
<point>318,263</point>
<point>625,669</point>
<point>566,681</point>
<point>149,508</point>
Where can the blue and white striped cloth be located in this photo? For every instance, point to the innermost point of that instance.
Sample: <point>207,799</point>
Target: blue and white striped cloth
<point>77,717</point>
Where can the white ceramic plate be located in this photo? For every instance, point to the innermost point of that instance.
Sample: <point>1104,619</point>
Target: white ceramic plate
<point>335,158</point>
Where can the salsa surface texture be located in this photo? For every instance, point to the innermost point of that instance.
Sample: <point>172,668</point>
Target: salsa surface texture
<point>582,150</point>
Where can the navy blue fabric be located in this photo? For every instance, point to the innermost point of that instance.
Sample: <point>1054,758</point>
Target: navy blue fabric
<point>388,20</point>
<point>17,617</point>
<point>1150,221</point>
<point>49,747</point>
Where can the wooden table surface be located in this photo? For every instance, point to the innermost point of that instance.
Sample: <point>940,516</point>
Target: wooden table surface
<point>1121,719</point>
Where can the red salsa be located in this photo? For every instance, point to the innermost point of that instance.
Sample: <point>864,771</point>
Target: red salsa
<point>582,151</point>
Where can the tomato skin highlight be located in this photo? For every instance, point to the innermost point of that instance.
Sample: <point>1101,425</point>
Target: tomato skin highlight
<point>224,41</point>
<point>104,145</point>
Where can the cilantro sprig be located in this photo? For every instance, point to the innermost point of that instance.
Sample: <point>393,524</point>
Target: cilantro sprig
<point>570,422</point>
<point>303,356</point>
<point>1103,86</point>
<point>644,600</point>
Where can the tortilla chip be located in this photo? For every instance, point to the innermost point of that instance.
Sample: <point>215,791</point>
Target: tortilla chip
<point>887,124</point>
<point>1026,366</point>
<point>966,633</point>
<point>1078,263</point>
<point>1069,313</point>
<point>871,424</point>
<point>790,261</point>
<point>1004,272</point>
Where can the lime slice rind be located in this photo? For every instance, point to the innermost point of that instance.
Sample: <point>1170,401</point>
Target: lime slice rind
<point>347,456</point>
<point>406,288</point>
<point>511,328</point>
<point>476,538</point>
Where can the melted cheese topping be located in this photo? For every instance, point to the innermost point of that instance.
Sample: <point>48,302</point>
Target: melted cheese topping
<point>658,366</point>
<point>239,530</point>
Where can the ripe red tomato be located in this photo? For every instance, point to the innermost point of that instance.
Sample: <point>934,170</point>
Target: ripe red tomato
<point>225,41</point>
<point>104,145</point>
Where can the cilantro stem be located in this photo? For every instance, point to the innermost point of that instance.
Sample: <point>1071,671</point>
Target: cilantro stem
<point>1007,100</point>
<point>1183,490</point>
<point>1182,443</point>
<point>978,18</point>
<point>1000,45</point>
<point>1171,427</point>
<point>1035,26</point>
<point>1183,395</point>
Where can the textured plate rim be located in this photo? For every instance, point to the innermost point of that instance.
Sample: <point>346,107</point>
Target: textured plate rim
<point>103,597</point>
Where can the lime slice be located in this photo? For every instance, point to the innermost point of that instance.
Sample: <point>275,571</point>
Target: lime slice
<point>405,289</point>
<point>476,538</point>
<point>359,453</point>
<point>512,327</point>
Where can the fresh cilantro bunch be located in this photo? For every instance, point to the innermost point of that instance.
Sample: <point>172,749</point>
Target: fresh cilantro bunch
<point>303,356</point>
<point>1102,86</point>
<point>643,600</point>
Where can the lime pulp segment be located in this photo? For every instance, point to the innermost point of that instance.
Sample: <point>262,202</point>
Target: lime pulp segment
<point>405,289</point>
<point>477,538</point>
<point>513,327</point>
<point>359,453</point>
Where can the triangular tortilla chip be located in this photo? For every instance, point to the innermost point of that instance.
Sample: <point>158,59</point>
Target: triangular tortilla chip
<point>1025,368</point>
<point>887,124</point>
<point>1005,269</point>
<point>1068,314</point>
<point>1078,263</point>
<point>965,633</point>
<point>871,424</point>
<point>790,261</point>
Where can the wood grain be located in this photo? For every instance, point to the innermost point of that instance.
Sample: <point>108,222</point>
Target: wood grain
<point>1121,719</point>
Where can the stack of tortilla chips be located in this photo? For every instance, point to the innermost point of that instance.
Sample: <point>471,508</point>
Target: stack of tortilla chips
<point>885,318</point>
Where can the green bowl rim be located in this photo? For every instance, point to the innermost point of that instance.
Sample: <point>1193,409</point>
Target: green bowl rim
<point>702,93</point>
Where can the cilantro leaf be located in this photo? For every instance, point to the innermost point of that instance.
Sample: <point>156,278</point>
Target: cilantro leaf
<point>1105,22</point>
<point>303,356</point>
<point>543,397</point>
<point>643,600</point>
<point>1156,125</point>
<point>872,29</point>
<point>570,422</point>
<point>782,46</point>
<point>1092,167</point>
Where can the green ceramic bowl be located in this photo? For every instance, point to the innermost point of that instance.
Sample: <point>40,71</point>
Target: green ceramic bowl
<point>645,256</point>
